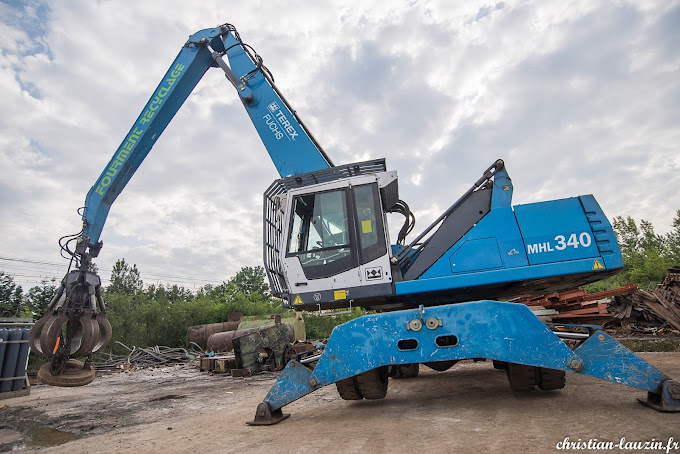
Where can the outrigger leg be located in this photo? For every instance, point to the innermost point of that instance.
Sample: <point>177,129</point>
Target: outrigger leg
<point>504,332</point>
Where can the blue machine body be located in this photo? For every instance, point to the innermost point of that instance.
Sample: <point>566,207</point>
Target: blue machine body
<point>526,247</point>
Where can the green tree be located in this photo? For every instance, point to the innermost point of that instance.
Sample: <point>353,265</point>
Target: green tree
<point>251,280</point>
<point>126,313</point>
<point>39,297</point>
<point>673,240</point>
<point>11,296</point>
<point>646,254</point>
<point>125,279</point>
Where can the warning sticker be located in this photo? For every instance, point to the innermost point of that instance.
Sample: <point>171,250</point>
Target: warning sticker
<point>340,294</point>
<point>366,226</point>
<point>597,265</point>
<point>298,300</point>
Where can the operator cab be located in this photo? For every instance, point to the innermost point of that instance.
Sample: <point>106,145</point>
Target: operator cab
<point>326,237</point>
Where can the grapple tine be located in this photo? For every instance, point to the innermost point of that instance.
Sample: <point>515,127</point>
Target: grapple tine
<point>85,340</point>
<point>105,332</point>
<point>51,331</point>
<point>36,331</point>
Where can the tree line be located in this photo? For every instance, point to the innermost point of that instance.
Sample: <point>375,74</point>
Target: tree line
<point>646,254</point>
<point>160,314</point>
<point>153,314</point>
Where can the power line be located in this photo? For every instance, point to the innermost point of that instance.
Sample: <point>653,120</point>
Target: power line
<point>25,271</point>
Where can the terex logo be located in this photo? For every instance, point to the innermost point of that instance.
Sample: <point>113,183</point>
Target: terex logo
<point>273,107</point>
<point>281,119</point>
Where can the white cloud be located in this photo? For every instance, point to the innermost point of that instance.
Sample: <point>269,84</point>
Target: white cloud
<point>577,97</point>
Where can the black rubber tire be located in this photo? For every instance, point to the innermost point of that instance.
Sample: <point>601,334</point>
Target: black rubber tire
<point>551,379</point>
<point>373,384</point>
<point>405,371</point>
<point>441,366</point>
<point>522,378</point>
<point>348,389</point>
<point>500,365</point>
<point>410,370</point>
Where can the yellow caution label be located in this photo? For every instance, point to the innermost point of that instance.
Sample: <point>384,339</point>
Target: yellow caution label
<point>298,300</point>
<point>340,294</point>
<point>366,226</point>
<point>597,265</point>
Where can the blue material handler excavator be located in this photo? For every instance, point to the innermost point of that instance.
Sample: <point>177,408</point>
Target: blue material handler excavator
<point>434,300</point>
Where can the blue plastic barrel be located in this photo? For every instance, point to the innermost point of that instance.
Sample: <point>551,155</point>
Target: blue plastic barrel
<point>3,347</point>
<point>20,370</point>
<point>11,358</point>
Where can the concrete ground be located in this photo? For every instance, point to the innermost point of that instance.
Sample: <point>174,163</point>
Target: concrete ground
<point>468,408</point>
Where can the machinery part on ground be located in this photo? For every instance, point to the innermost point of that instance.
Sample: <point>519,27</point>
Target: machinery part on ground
<point>440,366</point>
<point>300,351</point>
<point>200,334</point>
<point>348,389</point>
<point>521,340</point>
<point>224,341</point>
<point>262,349</point>
<point>299,327</point>
<point>405,371</point>
<point>73,373</point>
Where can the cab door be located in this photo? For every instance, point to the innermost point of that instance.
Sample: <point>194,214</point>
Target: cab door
<point>337,244</point>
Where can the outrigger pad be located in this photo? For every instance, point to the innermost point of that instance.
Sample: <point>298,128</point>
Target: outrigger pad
<point>265,417</point>
<point>668,400</point>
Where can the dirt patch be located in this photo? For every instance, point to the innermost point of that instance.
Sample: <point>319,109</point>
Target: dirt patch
<point>469,408</point>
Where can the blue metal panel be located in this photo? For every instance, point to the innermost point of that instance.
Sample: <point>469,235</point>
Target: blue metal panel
<point>502,190</point>
<point>476,255</point>
<point>556,231</point>
<point>606,359</point>
<point>496,276</point>
<point>288,145</point>
<point>508,238</point>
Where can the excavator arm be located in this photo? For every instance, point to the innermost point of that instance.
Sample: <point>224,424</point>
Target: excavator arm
<point>291,147</point>
<point>74,324</point>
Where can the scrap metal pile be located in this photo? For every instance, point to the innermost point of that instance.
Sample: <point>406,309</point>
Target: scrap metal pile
<point>653,311</point>
<point>139,357</point>
<point>243,352</point>
<point>660,305</point>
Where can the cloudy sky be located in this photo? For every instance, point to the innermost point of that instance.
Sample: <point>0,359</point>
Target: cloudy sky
<point>577,97</point>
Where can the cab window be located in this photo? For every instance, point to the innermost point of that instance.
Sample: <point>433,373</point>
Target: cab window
<point>369,222</point>
<point>320,235</point>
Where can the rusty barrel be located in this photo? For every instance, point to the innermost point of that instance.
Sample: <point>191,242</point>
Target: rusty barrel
<point>200,334</point>
<point>223,342</point>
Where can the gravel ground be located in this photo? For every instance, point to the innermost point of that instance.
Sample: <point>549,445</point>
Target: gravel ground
<point>468,408</point>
